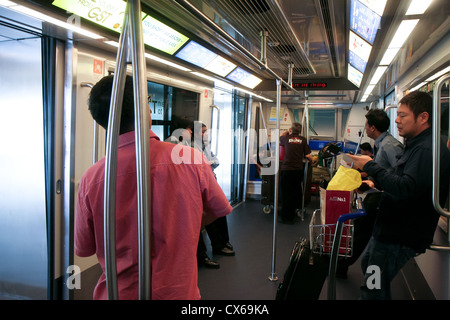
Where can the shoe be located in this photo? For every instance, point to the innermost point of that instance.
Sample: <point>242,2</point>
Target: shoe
<point>229,246</point>
<point>225,251</point>
<point>208,263</point>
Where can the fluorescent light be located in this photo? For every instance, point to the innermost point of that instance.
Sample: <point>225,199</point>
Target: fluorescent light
<point>166,62</point>
<point>402,33</point>
<point>437,75</point>
<point>152,57</point>
<point>418,7</point>
<point>204,76</point>
<point>369,89</point>
<point>377,75</point>
<point>420,85</point>
<point>40,16</point>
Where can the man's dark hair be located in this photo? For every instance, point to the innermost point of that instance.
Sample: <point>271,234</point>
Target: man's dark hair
<point>296,128</point>
<point>379,119</point>
<point>100,99</point>
<point>366,147</point>
<point>419,102</point>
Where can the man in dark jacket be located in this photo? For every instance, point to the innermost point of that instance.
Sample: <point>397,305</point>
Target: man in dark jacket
<point>291,171</point>
<point>406,219</point>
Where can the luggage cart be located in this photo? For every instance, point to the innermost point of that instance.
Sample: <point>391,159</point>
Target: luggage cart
<point>335,240</point>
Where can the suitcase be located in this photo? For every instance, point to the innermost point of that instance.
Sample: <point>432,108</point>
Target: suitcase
<point>267,187</point>
<point>305,274</point>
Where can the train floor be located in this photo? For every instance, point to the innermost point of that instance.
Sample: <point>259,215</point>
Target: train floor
<point>245,276</point>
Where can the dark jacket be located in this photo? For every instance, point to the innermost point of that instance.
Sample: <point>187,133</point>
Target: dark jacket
<point>406,214</point>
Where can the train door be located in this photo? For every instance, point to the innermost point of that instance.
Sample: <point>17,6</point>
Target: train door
<point>23,237</point>
<point>238,150</point>
<point>231,140</point>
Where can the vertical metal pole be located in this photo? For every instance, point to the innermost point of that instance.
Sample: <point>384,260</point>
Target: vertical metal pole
<point>290,73</point>
<point>247,148</point>
<point>142,133</point>
<point>436,134</point>
<point>273,276</point>
<point>111,164</point>
<point>263,34</point>
<point>131,49</point>
<point>306,116</point>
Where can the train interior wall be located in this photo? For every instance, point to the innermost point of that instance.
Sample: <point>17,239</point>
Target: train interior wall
<point>427,273</point>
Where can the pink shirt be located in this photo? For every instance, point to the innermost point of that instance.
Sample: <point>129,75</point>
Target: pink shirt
<point>182,194</point>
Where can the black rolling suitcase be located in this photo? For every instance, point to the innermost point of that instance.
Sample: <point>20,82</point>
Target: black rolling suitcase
<point>267,189</point>
<point>305,274</point>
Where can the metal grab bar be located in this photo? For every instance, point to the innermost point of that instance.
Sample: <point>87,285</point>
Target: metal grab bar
<point>436,155</point>
<point>360,212</point>
<point>131,49</point>
<point>437,144</point>
<point>273,276</point>
<point>265,127</point>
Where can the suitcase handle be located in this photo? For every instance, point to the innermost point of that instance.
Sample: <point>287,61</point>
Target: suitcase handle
<point>360,212</point>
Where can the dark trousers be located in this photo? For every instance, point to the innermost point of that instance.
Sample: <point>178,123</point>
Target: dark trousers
<point>290,193</point>
<point>217,233</point>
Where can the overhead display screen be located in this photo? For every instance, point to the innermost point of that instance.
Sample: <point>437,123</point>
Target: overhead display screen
<point>220,66</point>
<point>361,48</point>
<point>356,61</point>
<point>161,36</point>
<point>354,76</point>
<point>110,15</point>
<point>364,21</point>
<point>204,58</point>
<point>196,54</point>
<point>375,5</point>
<point>244,78</point>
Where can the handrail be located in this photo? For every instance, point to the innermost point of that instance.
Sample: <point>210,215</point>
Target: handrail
<point>273,276</point>
<point>247,148</point>
<point>437,144</point>
<point>265,127</point>
<point>142,136</point>
<point>131,49</point>
<point>436,134</point>
<point>360,212</point>
<point>112,136</point>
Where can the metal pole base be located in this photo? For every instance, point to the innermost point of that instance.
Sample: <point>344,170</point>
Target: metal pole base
<point>273,277</point>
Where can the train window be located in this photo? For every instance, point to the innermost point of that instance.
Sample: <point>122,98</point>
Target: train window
<point>323,123</point>
<point>167,102</point>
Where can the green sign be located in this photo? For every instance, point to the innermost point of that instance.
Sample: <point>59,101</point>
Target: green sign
<point>110,14</point>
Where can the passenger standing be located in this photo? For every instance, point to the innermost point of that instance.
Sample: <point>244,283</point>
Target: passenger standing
<point>387,150</point>
<point>292,171</point>
<point>184,196</point>
<point>406,219</point>
<point>217,230</point>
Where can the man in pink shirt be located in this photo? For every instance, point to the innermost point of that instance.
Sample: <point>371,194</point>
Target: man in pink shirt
<point>184,196</point>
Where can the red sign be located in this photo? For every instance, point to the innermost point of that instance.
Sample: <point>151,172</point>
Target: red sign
<point>98,66</point>
<point>310,85</point>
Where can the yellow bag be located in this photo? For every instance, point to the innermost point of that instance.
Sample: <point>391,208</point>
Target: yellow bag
<point>345,179</point>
